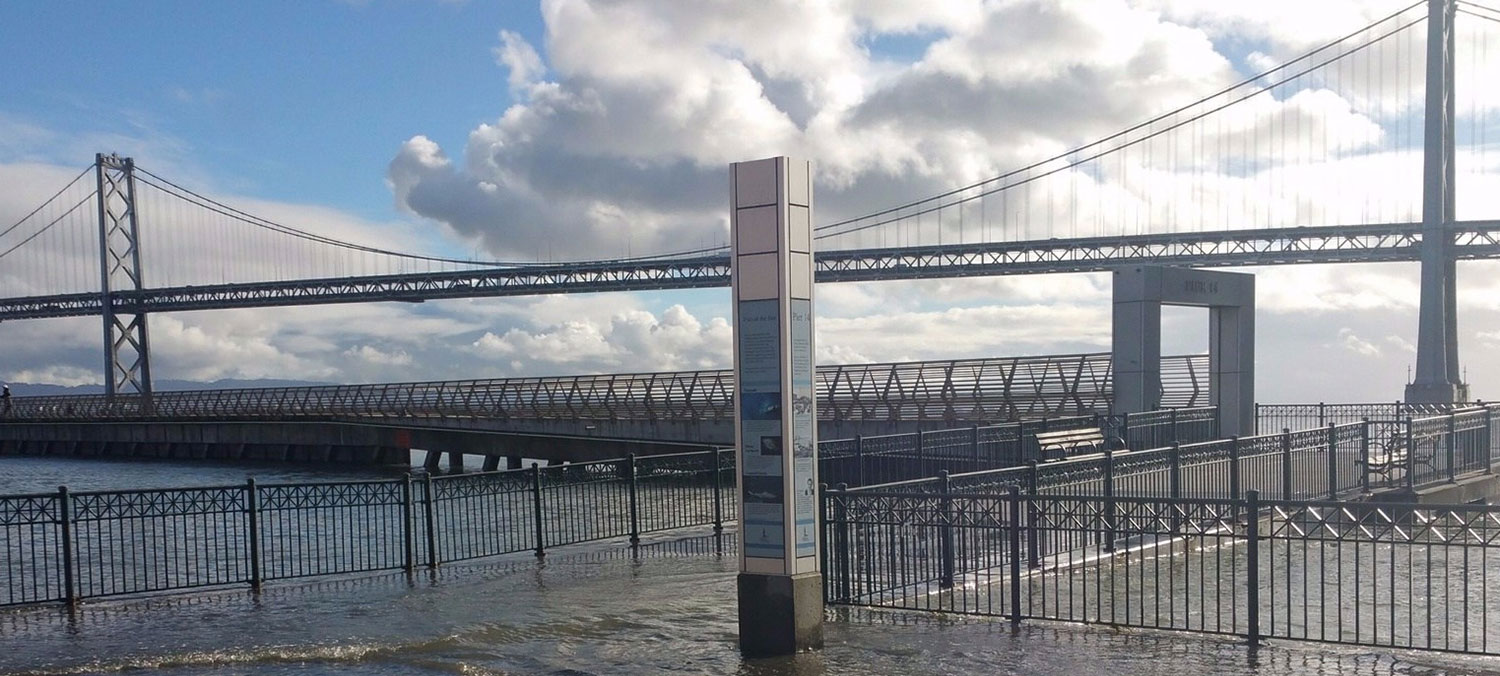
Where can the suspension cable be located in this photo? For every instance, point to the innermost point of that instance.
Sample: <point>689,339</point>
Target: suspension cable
<point>1147,123</point>
<point>54,221</point>
<point>1127,144</point>
<point>54,196</point>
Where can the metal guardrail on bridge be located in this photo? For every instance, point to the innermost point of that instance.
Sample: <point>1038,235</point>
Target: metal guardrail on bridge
<point>957,391</point>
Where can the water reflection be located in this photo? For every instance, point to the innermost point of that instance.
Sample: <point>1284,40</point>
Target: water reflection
<point>668,607</point>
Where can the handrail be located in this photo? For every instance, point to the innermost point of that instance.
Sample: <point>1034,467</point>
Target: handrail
<point>956,391</point>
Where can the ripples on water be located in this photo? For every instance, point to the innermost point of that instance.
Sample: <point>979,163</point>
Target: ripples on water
<point>45,474</point>
<point>669,608</point>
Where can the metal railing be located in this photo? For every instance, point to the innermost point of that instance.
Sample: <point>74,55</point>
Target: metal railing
<point>977,390</point>
<point>1388,575</point>
<point>1271,418</point>
<point>69,546</point>
<point>1318,463</point>
<point>869,460</point>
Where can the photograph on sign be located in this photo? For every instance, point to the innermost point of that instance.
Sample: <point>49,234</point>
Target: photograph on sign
<point>761,446</point>
<point>760,405</point>
<point>764,489</point>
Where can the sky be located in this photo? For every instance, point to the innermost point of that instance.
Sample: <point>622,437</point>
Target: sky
<point>584,129</point>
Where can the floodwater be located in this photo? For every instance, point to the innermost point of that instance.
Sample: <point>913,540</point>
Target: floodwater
<point>668,607</point>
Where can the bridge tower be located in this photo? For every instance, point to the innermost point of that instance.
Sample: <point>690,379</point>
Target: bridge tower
<point>1438,378</point>
<point>127,362</point>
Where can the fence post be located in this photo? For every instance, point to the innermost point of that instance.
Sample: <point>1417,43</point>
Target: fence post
<point>859,459</point>
<point>1286,463</point>
<point>974,446</point>
<point>1109,501</point>
<point>536,508</point>
<point>1174,471</point>
<point>1489,445</point>
<point>841,543</point>
<point>408,539</point>
<point>1015,554</point>
<point>1033,542</point>
<point>635,514</point>
<point>1449,448</point>
<point>718,493</point>
<point>1172,416</point>
<point>1252,566</point>
<point>1333,466</point>
<point>1322,415</point>
<point>65,521</point>
<point>252,510</point>
<point>1411,456</point>
<point>1234,467</point>
<point>921,444</point>
<point>1364,455</point>
<point>429,508</point>
<point>945,533</point>
<point>1125,430</point>
<point>1174,485</point>
<point>1022,452</point>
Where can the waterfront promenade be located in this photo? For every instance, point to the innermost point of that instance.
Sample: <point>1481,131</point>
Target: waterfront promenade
<point>603,610</point>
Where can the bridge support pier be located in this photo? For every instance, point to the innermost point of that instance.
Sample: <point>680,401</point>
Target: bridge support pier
<point>1139,294</point>
<point>1438,379</point>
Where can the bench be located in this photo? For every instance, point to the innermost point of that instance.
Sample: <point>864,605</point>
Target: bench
<point>1063,443</point>
<point>1392,453</point>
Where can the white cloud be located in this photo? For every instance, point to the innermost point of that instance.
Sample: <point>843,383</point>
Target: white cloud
<point>1357,345</point>
<point>375,355</point>
<point>520,59</point>
<point>624,121</point>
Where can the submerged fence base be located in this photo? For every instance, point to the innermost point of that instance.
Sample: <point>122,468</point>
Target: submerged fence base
<point>67,546</point>
<point>1393,576</point>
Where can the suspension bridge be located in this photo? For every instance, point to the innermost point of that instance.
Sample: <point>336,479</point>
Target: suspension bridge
<point>1353,152</point>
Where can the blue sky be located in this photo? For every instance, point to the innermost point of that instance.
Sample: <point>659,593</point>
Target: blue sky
<point>298,101</point>
<point>583,128</point>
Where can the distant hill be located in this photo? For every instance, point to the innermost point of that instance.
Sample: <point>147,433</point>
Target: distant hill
<point>34,390</point>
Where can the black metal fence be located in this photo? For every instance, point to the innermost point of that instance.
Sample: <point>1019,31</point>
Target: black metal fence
<point>1320,463</point>
<point>67,546</point>
<point>870,460</point>
<point>1270,418</point>
<point>1394,576</point>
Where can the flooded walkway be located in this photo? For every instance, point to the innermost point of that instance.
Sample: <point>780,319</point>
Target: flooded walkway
<point>669,608</point>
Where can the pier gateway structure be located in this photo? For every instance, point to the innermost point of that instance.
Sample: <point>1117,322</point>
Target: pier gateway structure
<point>1139,293</point>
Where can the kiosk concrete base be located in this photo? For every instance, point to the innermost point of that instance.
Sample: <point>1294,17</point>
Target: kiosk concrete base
<point>780,614</point>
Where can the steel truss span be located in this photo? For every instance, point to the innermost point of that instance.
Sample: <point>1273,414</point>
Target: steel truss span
<point>1283,246</point>
<point>957,391</point>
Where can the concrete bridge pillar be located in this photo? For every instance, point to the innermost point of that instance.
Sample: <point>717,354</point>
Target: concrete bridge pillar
<point>1438,379</point>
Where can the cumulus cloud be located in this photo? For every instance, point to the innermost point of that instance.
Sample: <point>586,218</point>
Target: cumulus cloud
<point>610,155</point>
<point>629,340</point>
<point>627,112</point>
<point>1357,345</point>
